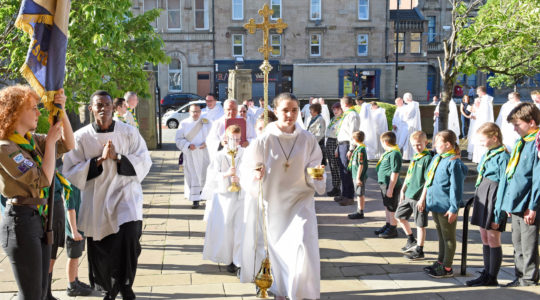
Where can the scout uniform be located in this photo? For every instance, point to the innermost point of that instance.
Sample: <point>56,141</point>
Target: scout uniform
<point>389,163</point>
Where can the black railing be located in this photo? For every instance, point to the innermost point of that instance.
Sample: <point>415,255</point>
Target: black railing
<point>465,237</point>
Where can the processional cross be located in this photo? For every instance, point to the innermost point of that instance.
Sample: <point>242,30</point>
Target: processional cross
<point>266,48</point>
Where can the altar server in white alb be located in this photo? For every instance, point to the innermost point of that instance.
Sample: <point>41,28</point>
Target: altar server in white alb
<point>108,164</point>
<point>413,119</point>
<point>453,118</point>
<point>377,124</point>
<point>509,135</point>
<point>224,212</point>
<point>191,140</point>
<point>399,124</point>
<point>482,112</point>
<point>213,109</point>
<point>280,158</point>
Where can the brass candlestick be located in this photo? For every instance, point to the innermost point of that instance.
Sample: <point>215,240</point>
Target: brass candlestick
<point>234,187</point>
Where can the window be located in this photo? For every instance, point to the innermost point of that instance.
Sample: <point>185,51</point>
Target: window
<point>400,41</point>
<point>362,45</point>
<point>175,75</point>
<point>315,10</point>
<point>432,33</point>
<point>237,9</point>
<point>315,45</point>
<point>173,14</point>
<point>416,42</point>
<point>238,45</point>
<point>201,14</point>
<point>363,9</point>
<point>276,7</point>
<point>149,5</point>
<point>275,42</point>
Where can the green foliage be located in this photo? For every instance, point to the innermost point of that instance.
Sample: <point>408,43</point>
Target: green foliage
<point>390,110</point>
<point>43,122</point>
<point>13,43</point>
<point>506,35</point>
<point>107,48</point>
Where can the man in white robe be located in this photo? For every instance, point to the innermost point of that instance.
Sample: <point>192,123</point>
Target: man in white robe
<point>191,140</point>
<point>213,109</point>
<point>305,111</point>
<point>509,134</point>
<point>325,112</point>
<point>379,125</point>
<point>399,124</point>
<point>414,123</point>
<point>482,113</point>
<point>108,164</point>
<point>453,118</point>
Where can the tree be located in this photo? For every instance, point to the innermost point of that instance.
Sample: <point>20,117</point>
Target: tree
<point>510,33</point>
<point>107,48</point>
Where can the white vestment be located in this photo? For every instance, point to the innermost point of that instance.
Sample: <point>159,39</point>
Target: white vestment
<point>483,114</point>
<point>306,115</point>
<point>453,119</point>
<point>195,161</point>
<point>110,199</point>
<point>325,113</point>
<point>224,213</point>
<point>214,113</point>
<point>379,125</point>
<point>414,123</point>
<point>401,128</point>
<point>291,219</point>
<point>217,132</point>
<point>509,134</point>
<point>127,118</point>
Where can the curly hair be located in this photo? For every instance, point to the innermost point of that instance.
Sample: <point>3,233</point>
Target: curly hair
<point>13,101</point>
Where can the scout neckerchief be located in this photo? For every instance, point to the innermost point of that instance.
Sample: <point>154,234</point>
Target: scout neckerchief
<point>355,154</point>
<point>334,120</point>
<point>313,120</point>
<point>27,143</point>
<point>132,111</point>
<point>390,150</point>
<point>121,118</point>
<point>416,157</point>
<point>516,153</point>
<point>348,111</point>
<point>491,153</point>
<point>433,168</point>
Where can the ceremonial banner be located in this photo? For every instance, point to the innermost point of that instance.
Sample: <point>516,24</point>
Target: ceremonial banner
<point>46,21</point>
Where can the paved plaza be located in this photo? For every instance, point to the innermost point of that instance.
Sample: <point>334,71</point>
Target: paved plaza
<point>355,264</point>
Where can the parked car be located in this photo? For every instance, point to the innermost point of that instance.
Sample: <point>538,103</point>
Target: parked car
<point>175,101</point>
<point>172,118</point>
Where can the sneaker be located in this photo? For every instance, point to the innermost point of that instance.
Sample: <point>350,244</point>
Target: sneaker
<point>416,254</point>
<point>334,192</point>
<point>356,215</point>
<point>346,201</point>
<point>514,283</point>
<point>433,266</point>
<point>409,247</point>
<point>382,229</point>
<point>477,281</point>
<point>78,290</point>
<point>84,285</point>
<point>232,268</point>
<point>338,198</point>
<point>195,205</point>
<point>441,272</point>
<point>389,233</point>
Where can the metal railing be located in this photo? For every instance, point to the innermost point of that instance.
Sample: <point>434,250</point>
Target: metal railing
<point>465,237</point>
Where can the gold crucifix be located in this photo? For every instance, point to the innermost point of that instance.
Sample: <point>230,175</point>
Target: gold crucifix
<point>265,26</point>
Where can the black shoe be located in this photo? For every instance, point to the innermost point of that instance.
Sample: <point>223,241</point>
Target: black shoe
<point>382,229</point>
<point>338,198</point>
<point>409,247</point>
<point>232,268</point>
<point>78,290</point>
<point>514,283</point>
<point>441,272</point>
<point>477,281</point>
<point>389,233</point>
<point>84,285</point>
<point>432,267</point>
<point>416,254</point>
<point>334,192</point>
<point>195,205</point>
<point>356,215</point>
<point>490,281</point>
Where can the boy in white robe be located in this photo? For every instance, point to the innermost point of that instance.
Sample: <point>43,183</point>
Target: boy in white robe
<point>224,212</point>
<point>510,136</point>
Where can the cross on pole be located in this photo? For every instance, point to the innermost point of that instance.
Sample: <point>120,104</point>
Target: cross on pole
<point>266,48</point>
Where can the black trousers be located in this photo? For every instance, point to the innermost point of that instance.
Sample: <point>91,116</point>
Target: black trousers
<point>113,260</point>
<point>347,186</point>
<point>23,239</point>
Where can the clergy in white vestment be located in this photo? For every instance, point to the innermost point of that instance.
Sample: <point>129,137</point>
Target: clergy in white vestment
<point>213,109</point>
<point>121,112</point>
<point>414,123</point>
<point>482,113</point>
<point>453,118</point>
<point>284,152</point>
<point>325,112</point>
<point>108,164</point>
<point>305,115</point>
<point>535,96</point>
<point>191,140</point>
<point>224,212</point>
<point>399,123</point>
<point>510,136</point>
<point>379,125</point>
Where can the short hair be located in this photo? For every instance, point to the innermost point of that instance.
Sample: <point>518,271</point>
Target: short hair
<point>316,108</point>
<point>232,129</point>
<point>13,101</point>
<point>129,94</point>
<point>117,102</point>
<point>285,96</point>
<point>271,117</point>
<point>374,103</point>
<point>490,130</point>
<point>535,92</point>
<point>448,136</point>
<point>526,112</point>
<point>515,95</point>
<point>336,105</point>
<point>347,100</point>
<point>389,137</point>
<point>100,93</point>
<point>417,135</point>
<point>230,101</point>
<point>481,88</point>
<point>195,104</point>
<point>358,136</point>
<point>211,94</point>
<point>407,96</point>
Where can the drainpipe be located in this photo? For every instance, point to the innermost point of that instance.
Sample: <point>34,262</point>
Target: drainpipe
<point>214,46</point>
<point>386,32</point>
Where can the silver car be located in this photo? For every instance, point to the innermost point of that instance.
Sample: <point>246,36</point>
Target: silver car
<point>173,118</point>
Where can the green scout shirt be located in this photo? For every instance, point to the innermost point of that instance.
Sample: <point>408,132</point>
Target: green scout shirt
<point>360,160</point>
<point>73,204</point>
<point>418,177</point>
<point>391,163</point>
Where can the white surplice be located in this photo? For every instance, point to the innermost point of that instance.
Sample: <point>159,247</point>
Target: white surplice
<point>110,199</point>
<point>217,133</point>
<point>453,119</point>
<point>214,113</point>
<point>483,114</point>
<point>414,123</point>
<point>325,112</point>
<point>224,213</point>
<point>195,161</point>
<point>380,126</point>
<point>292,222</point>
<point>306,115</point>
<point>401,128</point>
<point>509,134</point>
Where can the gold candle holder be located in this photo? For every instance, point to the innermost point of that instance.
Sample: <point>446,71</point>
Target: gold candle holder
<point>316,173</point>
<point>264,279</point>
<point>234,187</point>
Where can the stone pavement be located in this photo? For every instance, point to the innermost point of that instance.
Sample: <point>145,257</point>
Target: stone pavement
<point>354,263</point>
